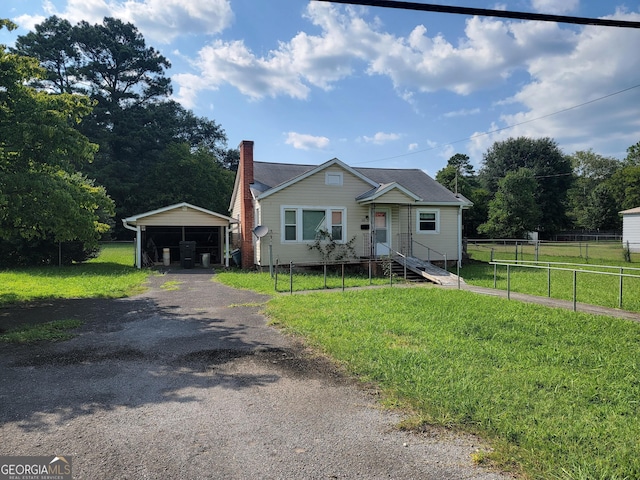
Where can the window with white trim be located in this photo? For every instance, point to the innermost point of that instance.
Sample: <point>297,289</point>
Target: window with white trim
<point>290,225</point>
<point>428,221</point>
<point>302,224</point>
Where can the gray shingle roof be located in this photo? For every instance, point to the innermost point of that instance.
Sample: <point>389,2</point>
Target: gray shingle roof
<point>270,175</point>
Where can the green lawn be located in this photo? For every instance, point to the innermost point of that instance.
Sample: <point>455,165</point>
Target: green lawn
<point>556,392</point>
<point>111,275</point>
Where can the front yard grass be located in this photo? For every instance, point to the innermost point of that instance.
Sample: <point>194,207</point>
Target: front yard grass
<point>556,392</point>
<point>111,275</point>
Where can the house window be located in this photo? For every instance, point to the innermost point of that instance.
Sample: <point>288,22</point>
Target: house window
<point>302,224</point>
<point>290,225</point>
<point>312,222</point>
<point>428,221</point>
<point>333,178</point>
<point>336,225</point>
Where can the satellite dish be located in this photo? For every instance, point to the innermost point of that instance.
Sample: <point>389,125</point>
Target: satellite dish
<point>260,231</point>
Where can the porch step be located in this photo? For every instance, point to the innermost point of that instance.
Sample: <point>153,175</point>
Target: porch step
<point>426,271</point>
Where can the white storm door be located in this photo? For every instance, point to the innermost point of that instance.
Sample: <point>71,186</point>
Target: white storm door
<point>382,232</point>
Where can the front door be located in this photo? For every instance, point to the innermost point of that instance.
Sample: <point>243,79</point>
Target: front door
<point>382,232</point>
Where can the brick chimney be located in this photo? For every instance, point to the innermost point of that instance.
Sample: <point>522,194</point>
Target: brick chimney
<point>245,169</point>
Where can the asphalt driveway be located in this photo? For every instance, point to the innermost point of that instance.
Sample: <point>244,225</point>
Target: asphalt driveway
<point>187,381</point>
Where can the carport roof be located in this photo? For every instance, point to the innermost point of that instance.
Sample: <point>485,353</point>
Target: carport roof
<point>183,206</point>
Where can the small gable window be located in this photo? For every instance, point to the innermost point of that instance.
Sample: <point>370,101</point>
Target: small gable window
<point>333,179</point>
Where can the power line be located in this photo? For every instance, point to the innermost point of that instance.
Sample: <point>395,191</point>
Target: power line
<point>485,12</point>
<point>502,128</point>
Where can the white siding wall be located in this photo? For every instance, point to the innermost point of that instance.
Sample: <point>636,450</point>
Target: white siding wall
<point>631,231</point>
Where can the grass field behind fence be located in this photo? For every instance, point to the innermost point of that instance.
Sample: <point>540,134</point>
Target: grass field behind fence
<point>111,275</point>
<point>603,253</point>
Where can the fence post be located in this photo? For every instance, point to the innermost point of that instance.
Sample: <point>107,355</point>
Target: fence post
<point>277,268</point>
<point>291,277</point>
<point>405,268</point>
<point>575,281</point>
<point>620,298</point>
<point>325,273</point>
<point>343,276</point>
<point>549,280</point>
<point>586,252</point>
<point>495,275</point>
<point>458,273</point>
<point>492,249</point>
<point>537,249</point>
<point>370,278</point>
<point>516,252</point>
<point>508,282</point>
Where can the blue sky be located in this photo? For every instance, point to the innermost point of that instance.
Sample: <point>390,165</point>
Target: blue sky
<point>309,81</point>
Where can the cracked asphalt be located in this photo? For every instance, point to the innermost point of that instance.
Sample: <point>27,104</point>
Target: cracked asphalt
<point>190,382</point>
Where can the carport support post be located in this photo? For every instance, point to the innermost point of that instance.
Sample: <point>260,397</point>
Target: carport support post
<point>226,246</point>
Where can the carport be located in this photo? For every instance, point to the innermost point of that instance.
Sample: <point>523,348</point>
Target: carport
<point>177,226</point>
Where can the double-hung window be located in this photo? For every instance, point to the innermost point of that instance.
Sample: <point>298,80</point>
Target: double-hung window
<point>428,221</point>
<point>304,224</point>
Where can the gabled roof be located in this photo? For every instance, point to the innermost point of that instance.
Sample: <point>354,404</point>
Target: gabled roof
<point>272,177</point>
<point>383,189</point>
<point>266,175</point>
<point>631,211</point>
<point>133,219</point>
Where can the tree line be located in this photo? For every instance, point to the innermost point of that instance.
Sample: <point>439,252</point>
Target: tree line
<point>88,132</point>
<point>530,185</point>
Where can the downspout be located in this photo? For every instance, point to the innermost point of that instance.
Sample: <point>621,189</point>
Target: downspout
<point>460,237</point>
<point>138,240</point>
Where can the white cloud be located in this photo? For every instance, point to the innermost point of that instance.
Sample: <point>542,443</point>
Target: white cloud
<point>29,22</point>
<point>160,21</point>
<point>381,138</point>
<point>462,113</point>
<point>554,6</point>
<point>412,147</point>
<point>490,52</point>
<point>303,141</point>
<point>591,71</point>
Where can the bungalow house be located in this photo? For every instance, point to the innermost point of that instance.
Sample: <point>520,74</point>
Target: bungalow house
<point>281,208</point>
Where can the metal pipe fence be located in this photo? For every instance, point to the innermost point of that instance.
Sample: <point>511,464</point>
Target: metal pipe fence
<point>587,269</point>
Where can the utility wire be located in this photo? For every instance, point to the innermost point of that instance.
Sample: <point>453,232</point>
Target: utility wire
<point>502,128</point>
<point>485,12</point>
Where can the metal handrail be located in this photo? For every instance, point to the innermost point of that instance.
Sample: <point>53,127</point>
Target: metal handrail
<point>511,263</point>
<point>429,250</point>
<point>521,262</point>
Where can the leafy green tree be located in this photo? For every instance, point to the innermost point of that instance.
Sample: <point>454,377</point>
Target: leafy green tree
<point>625,182</point>
<point>196,177</point>
<point>42,194</point>
<point>459,176</point>
<point>591,201</point>
<point>513,211</point>
<point>134,123</point>
<point>550,167</point>
<point>53,44</point>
